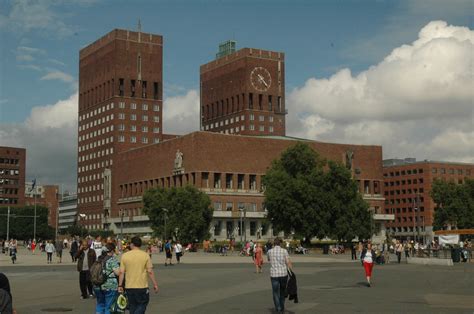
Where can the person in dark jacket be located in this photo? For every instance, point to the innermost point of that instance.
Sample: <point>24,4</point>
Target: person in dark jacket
<point>367,258</point>
<point>85,258</point>
<point>6,300</point>
<point>292,287</point>
<point>73,250</point>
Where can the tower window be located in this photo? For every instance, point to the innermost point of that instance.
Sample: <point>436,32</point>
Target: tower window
<point>250,101</point>
<point>132,88</point>
<point>144,95</point>
<point>260,101</point>
<point>270,106</point>
<point>156,91</point>
<point>121,87</point>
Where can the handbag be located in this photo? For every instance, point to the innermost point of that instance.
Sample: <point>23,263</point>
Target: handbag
<point>119,304</point>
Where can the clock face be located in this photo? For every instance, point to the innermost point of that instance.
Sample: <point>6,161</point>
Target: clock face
<point>261,79</point>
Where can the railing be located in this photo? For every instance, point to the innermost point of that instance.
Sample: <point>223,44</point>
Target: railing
<point>445,253</point>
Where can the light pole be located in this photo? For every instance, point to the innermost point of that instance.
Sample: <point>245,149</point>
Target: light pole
<point>121,223</point>
<point>241,210</point>
<point>82,216</point>
<point>8,224</point>
<point>165,217</point>
<point>34,223</point>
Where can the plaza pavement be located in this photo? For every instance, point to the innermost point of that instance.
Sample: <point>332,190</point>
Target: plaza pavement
<point>209,283</point>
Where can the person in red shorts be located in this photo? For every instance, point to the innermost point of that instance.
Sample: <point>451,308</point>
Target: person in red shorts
<point>367,258</point>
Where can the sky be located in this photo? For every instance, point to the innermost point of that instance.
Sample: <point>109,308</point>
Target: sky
<point>392,73</point>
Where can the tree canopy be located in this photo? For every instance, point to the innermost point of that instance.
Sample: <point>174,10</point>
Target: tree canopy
<point>454,204</point>
<point>312,197</point>
<point>187,209</point>
<point>22,221</point>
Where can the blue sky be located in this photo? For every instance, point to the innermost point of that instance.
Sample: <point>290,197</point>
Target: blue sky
<point>383,72</point>
<point>318,37</point>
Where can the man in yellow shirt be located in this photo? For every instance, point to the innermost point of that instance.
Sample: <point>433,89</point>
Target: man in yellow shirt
<point>135,266</point>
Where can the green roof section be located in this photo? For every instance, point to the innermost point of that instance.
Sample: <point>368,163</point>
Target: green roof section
<point>226,48</point>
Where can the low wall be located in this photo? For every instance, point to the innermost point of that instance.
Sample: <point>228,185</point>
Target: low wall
<point>430,261</point>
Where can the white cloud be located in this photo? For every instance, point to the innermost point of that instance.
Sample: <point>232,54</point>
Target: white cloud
<point>181,113</point>
<point>406,103</point>
<point>36,15</point>
<point>49,135</point>
<point>58,75</point>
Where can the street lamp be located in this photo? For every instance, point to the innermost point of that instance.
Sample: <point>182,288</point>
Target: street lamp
<point>165,217</point>
<point>241,210</point>
<point>121,223</point>
<point>82,216</point>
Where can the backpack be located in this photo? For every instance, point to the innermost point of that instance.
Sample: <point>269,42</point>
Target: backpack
<point>98,275</point>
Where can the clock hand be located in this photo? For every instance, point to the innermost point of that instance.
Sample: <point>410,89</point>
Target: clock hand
<point>261,79</point>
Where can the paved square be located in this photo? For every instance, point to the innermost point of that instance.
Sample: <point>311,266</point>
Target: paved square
<point>208,283</point>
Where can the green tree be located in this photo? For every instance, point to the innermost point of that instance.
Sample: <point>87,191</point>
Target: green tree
<point>454,204</point>
<point>22,222</point>
<point>188,209</point>
<point>311,197</point>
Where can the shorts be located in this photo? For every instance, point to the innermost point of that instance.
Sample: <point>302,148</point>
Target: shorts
<point>169,255</point>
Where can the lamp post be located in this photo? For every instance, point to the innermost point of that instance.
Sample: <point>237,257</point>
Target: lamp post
<point>165,217</point>
<point>241,210</point>
<point>8,224</point>
<point>82,216</point>
<point>121,223</point>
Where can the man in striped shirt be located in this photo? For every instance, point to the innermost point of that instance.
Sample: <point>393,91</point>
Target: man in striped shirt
<point>280,262</point>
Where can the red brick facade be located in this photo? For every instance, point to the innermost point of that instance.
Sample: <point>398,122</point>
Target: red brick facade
<point>408,186</point>
<point>12,176</point>
<point>47,196</point>
<point>244,93</point>
<point>120,108</point>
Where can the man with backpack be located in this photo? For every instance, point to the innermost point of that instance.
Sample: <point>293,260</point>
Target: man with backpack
<point>168,252</point>
<point>104,276</point>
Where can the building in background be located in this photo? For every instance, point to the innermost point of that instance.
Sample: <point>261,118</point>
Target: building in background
<point>12,176</point>
<point>407,187</point>
<point>43,195</point>
<point>120,108</point>
<point>68,216</point>
<point>243,92</point>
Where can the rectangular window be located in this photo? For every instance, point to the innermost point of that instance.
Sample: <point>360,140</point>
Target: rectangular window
<point>252,127</point>
<point>217,206</point>
<point>144,118</point>
<point>156,130</point>
<point>121,127</point>
<point>156,119</point>
<point>228,181</point>
<point>262,128</point>
<point>261,118</point>
<point>133,117</point>
<point>144,94</point>
<point>122,105</point>
<point>279,104</point>
<point>260,101</point>
<point>434,171</point>
<point>229,206</point>
<point>250,101</point>
<point>217,180</point>
<point>145,140</point>
<point>121,88</point>
<point>144,106</point>
<point>253,182</point>
<point>156,91</point>
<point>205,179</point>
<point>133,139</point>
<point>133,106</point>
<point>252,117</point>
<point>270,106</point>
<point>133,128</point>
<point>156,108</point>
<point>443,171</point>
<point>121,115</point>
<point>144,129</point>
<point>156,140</point>
<point>270,118</point>
<point>270,128</point>
<point>132,88</point>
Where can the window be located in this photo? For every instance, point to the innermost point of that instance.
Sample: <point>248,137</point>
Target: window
<point>242,117</point>
<point>459,171</point>
<point>205,179</point>
<point>132,88</point>
<point>121,138</point>
<point>133,139</point>
<point>252,127</point>
<point>253,228</point>
<point>121,105</point>
<point>270,128</point>
<point>279,103</point>
<point>156,91</point>
<point>144,106</point>
<point>144,129</point>
<point>156,130</point>
<point>451,171</point>
<point>260,101</point>
<point>120,86</point>
<point>144,118</point>
<point>270,118</point>
<point>133,128</point>
<point>240,181</point>
<point>262,128</point>
<point>228,181</point>
<point>217,206</point>
<point>133,106</point>
<point>250,101</point>
<point>252,117</point>
<point>443,171</point>
<point>156,108</point>
<point>217,180</point>
<point>156,140</point>
<point>434,171</point>
<point>261,118</point>
<point>229,206</point>
<point>145,140</point>
<point>270,106</point>
<point>133,117</point>
<point>144,94</point>
<point>253,182</point>
<point>121,116</point>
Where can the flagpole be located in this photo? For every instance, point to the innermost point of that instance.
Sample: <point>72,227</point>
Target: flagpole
<point>34,228</point>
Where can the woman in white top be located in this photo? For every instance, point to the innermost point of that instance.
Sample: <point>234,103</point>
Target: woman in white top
<point>367,258</point>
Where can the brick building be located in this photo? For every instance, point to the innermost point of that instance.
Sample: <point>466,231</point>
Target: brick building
<point>243,92</point>
<point>120,108</point>
<point>44,195</point>
<point>229,169</point>
<point>242,131</point>
<point>407,187</point>
<point>12,176</point>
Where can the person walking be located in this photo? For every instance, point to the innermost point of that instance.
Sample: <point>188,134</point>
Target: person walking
<point>353,251</point>
<point>407,246</point>
<point>399,250</point>
<point>169,254</point>
<point>258,258</point>
<point>96,245</point>
<point>59,251</point>
<point>135,265</point>
<point>85,258</point>
<point>279,265</point>
<point>367,257</point>
<point>49,248</point>
<point>73,250</point>
<point>178,249</point>
<point>107,292</point>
